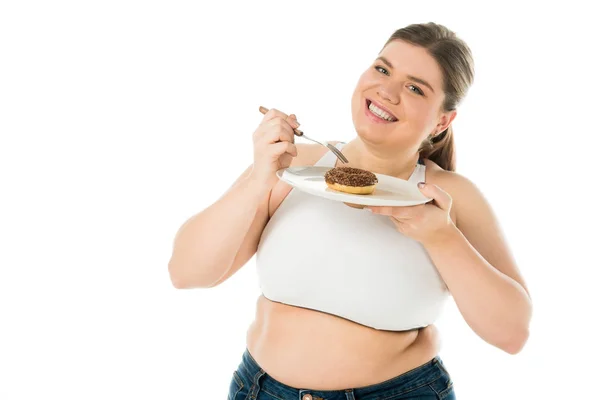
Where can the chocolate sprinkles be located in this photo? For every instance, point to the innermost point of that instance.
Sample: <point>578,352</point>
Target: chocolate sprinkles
<point>349,176</point>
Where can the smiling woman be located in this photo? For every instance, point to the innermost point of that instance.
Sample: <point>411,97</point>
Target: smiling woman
<point>355,317</point>
<point>418,64</point>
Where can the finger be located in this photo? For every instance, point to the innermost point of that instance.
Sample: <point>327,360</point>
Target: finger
<point>405,213</point>
<point>291,149</point>
<point>278,131</point>
<point>274,113</point>
<point>277,149</point>
<point>397,221</point>
<point>293,121</point>
<point>379,210</point>
<point>398,213</point>
<point>285,160</point>
<point>440,197</point>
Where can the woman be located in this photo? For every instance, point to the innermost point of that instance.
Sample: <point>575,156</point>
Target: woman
<point>354,317</point>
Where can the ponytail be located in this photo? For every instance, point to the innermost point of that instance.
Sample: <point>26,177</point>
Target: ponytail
<point>441,150</point>
<point>455,60</point>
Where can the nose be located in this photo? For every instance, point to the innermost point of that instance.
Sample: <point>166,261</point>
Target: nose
<point>390,93</point>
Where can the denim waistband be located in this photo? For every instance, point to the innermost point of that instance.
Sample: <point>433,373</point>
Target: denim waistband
<point>404,383</point>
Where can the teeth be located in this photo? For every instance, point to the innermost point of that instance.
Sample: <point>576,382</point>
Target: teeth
<point>380,113</point>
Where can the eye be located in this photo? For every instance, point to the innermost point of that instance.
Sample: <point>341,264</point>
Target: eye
<point>416,90</point>
<point>382,70</point>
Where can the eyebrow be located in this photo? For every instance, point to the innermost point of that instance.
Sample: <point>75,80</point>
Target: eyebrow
<point>412,78</point>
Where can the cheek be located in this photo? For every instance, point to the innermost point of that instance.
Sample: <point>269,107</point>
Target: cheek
<point>420,115</point>
<point>355,105</point>
<point>357,95</point>
<point>365,82</point>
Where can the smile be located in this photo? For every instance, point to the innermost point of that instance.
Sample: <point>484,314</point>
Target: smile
<point>378,113</point>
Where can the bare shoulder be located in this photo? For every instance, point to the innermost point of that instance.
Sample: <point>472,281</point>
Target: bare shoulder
<point>475,218</point>
<point>447,180</point>
<point>471,212</point>
<point>463,191</point>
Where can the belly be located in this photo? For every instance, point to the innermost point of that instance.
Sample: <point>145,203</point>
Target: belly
<point>309,349</point>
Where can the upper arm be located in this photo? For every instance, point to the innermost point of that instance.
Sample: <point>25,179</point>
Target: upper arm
<point>308,154</point>
<point>250,243</point>
<point>478,223</point>
<point>252,237</point>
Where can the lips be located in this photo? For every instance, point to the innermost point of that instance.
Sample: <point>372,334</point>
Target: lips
<point>381,112</point>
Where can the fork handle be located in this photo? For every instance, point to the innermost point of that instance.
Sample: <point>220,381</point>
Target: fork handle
<point>264,110</point>
<point>298,132</point>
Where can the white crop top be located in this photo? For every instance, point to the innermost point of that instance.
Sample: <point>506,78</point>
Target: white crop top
<point>323,255</point>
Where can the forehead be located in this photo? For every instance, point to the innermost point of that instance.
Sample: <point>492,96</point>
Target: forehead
<point>409,59</point>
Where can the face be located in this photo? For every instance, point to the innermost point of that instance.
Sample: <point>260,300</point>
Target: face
<point>398,99</point>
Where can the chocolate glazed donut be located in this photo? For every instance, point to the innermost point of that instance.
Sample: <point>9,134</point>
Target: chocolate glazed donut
<point>351,180</point>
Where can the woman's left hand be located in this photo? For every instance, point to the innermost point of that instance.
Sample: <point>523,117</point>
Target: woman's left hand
<point>426,223</point>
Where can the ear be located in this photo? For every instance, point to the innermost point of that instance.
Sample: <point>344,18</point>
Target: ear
<point>446,119</point>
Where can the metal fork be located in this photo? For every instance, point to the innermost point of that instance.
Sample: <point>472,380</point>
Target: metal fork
<point>299,133</point>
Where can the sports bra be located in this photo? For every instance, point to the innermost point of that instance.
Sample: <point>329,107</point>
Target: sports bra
<point>323,255</point>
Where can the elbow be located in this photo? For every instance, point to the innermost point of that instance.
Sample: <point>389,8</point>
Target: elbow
<point>179,283</point>
<point>515,338</point>
<point>515,343</point>
<point>181,279</point>
<point>178,277</point>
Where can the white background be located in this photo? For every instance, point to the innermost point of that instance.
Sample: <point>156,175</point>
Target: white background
<point>120,119</point>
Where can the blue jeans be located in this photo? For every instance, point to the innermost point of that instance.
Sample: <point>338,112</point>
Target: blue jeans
<point>430,381</point>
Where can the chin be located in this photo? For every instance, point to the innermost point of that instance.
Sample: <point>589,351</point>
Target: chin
<point>370,135</point>
<point>364,129</point>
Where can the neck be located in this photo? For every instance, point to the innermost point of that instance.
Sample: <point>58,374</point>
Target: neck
<point>400,164</point>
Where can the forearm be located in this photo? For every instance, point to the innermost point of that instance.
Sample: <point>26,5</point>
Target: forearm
<point>206,245</point>
<point>494,305</point>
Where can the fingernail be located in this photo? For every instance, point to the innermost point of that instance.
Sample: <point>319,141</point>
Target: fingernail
<point>421,184</point>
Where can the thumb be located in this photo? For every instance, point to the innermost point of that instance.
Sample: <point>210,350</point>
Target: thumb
<point>292,119</point>
<point>441,198</point>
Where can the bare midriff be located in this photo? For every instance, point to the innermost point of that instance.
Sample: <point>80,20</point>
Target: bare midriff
<point>305,348</point>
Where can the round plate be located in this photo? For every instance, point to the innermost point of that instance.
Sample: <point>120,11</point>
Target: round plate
<point>389,191</point>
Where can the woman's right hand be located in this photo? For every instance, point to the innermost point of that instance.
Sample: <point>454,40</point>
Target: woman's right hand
<point>274,147</point>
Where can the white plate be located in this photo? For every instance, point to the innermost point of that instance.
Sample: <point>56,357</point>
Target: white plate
<point>389,191</point>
